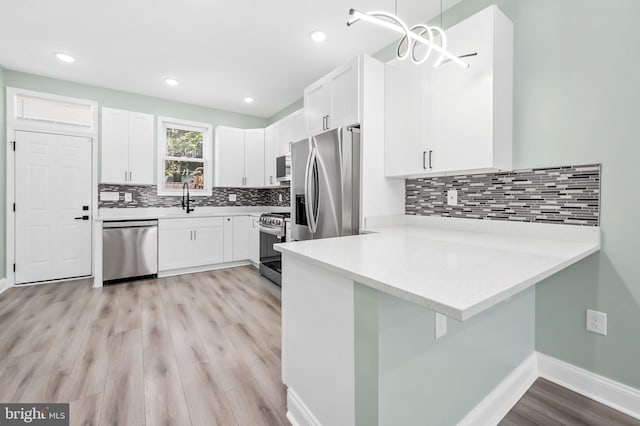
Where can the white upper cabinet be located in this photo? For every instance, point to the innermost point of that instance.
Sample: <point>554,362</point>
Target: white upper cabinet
<point>140,148</point>
<point>292,129</point>
<point>127,147</point>
<point>239,157</point>
<point>450,119</point>
<point>334,100</point>
<point>254,157</point>
<point>316,106</point>
<point>270,156</point>
<point>114,143</point>
<point>229,157</point>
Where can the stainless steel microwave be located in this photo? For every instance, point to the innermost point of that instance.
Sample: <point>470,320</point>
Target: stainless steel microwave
<point>283,168</point>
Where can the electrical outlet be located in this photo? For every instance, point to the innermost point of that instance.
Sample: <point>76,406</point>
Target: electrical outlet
<point>440,325</point>
<point>280,197</point>
<point>128,197</point>
<point>597,322</point>
<point>452,197</point>
<point>233,197</point>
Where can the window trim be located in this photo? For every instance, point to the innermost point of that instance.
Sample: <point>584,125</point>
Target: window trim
<point>207,142</point>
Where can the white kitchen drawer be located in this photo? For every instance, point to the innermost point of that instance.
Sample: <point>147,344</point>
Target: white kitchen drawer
<point>191,223</point>
<point>207,222</point>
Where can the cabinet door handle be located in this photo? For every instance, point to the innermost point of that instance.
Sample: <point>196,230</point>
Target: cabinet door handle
<point>424,160</point>
<point>125,176</point>
<point>270,180</point>
<point>328,122</point>
<point>324,122</point>
<point>130,176</point>
<point>195,234</point>
<point>290,143</point>
<point>191,235</point>
<point>430,155</point>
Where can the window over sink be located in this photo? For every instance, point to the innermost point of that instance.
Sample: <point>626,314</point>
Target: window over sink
<point>184,156</point>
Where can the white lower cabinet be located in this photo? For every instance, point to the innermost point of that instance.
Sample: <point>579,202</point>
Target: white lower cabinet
<point>207,245</point>
<point>228,239</point>
<point>240,238</point>
<point>196,242</point>
<point>186,243</point>
<point>254,240</point>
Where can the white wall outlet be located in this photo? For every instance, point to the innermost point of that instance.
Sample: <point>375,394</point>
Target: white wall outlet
<point>452,197</point>
<point>233,197</point>
<point>440,325</point>
<point>280,197</point>
<point>597,322</point>
<point>128,197</point>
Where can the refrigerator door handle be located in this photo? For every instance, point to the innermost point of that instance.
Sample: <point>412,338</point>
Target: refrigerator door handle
<point>315,210</point>
<point>307,191</point>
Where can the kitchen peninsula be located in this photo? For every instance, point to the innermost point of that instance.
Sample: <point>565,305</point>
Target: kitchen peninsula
<point>359,330</point>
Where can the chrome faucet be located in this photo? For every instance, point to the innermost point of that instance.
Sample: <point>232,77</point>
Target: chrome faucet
<point>186,200</point>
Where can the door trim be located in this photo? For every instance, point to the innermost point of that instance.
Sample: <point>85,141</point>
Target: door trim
<point>12,127</point>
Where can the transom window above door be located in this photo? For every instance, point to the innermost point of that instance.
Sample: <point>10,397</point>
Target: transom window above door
<point>184,157</point>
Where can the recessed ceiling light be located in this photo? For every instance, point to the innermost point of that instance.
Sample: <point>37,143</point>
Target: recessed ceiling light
<point>171,81</point>
<point>65,58</point>
<point>318,36</point>
<point>249,99</point>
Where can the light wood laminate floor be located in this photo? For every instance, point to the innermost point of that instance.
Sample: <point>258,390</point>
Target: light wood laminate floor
<point>548,404</point>
<point>200,349</point>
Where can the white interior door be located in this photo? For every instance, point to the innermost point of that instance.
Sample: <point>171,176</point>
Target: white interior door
<point>52,184</point>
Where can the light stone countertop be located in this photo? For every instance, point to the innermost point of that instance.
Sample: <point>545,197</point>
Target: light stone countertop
<point>457,267</point>
<point>113,214</point>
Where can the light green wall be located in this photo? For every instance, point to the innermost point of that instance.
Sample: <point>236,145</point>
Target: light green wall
<point>3,175</point>
<point>576,101</point>
<point>108,98</point>
<point>366,354</point>
<point>424,381</point>
<point>286,111</point>
<point>132,102</point>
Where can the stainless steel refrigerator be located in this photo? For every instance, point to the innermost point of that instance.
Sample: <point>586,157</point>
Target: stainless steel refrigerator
<point>325,185</point>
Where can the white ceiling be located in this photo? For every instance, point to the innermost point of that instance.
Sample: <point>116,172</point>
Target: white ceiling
<point>219,51</point>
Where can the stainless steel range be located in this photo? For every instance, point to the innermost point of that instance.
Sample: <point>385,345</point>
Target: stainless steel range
<point>272,231</point>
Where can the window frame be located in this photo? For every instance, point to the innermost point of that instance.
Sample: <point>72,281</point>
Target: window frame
<point>207,142</point>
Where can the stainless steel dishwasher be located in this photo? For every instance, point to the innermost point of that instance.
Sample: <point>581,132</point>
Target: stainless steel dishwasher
<point>129,249</point>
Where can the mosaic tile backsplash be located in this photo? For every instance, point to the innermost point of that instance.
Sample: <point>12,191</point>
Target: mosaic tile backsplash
<point>566,195</point>
<point>147,196</point>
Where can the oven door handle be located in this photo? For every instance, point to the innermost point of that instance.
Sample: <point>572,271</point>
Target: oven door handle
<point>278,232</point>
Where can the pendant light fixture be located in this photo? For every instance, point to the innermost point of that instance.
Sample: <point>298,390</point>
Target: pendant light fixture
<point>418,34</point>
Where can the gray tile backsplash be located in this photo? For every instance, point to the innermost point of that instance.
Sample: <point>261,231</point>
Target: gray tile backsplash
<point>568,195</point>
<point>147,196</point>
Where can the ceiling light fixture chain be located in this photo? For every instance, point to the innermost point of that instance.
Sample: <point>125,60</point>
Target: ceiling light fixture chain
<point>411,36</point>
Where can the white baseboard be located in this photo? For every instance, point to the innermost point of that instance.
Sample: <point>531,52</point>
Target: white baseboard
<point>606,391</point>
<point>205,268</point>
<point>297,412</point>
<point>4,285</point>
<point>503,397</point>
